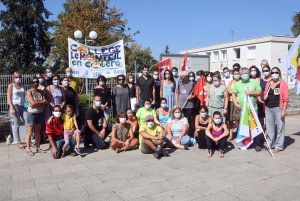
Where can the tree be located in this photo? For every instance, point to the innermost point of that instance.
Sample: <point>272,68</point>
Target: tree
<point>296,24</point>
<point>167,49</point>
<point>24,41</point>
<point>135,53</point>
<point>86,16</point>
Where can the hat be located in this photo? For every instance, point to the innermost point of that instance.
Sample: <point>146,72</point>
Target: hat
<point>149,118</point>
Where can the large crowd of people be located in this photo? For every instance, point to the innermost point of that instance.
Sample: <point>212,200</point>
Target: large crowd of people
<point>149,114</point>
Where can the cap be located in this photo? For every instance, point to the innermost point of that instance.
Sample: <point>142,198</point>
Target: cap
<point>149,118</point>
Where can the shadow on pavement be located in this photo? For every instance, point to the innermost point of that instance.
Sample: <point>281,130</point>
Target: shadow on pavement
<point>288,140</point>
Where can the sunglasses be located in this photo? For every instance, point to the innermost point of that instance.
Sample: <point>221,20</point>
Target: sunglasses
<point>34,82</point>
<point>155,74</point>
<point>120,79</point>
<point>275,73</point>
<point>265,71</point>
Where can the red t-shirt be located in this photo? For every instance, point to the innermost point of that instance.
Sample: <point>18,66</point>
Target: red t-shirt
<point>55,128</point>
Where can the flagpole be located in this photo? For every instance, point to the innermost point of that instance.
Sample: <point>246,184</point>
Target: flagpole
<point>269,148</point>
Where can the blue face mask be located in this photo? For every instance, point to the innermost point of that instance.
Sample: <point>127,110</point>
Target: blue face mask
<point>98,103</point>
<point>49,75</point>
<point>245,77</point>
<point>218,121</point>
<point>174,73</point>
<point>191,78</point>
<point>41,80</point>
<point>56,82</point>
<point>69,74</point>
<point>163,105</point>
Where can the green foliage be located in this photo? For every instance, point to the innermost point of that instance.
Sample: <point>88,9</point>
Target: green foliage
<point>86,100</point>
<point>24,39</point>
<point>296,24</point>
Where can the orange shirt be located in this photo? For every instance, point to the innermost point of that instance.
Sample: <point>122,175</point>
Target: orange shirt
<point>133,122</point>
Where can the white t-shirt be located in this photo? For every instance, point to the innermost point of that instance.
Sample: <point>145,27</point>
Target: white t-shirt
<point>176,126</point>
<point>227,80</point>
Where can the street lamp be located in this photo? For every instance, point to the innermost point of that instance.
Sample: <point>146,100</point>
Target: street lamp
<point>78,35</point>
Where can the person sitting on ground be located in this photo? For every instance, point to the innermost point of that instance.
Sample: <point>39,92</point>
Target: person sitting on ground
<point>152,138</point>
<point>177,130</point>
<point>122,138</point>
<point>201,122</point>
<point>145,111</point>
<point>132,120</point>
<point>55,133</point>
<point>163,113</point>
<point>216,135</point>
<point>69,118</point>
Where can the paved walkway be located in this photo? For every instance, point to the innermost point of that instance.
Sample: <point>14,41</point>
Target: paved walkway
<point>185,175</point>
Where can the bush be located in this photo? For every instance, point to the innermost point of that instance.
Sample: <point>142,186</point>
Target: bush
<point>85,100</point>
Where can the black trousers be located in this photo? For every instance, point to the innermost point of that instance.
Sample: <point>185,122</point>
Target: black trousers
<point>212,145</point>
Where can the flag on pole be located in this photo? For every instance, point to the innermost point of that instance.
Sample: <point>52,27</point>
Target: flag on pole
<point>184,63</point>
<point>200,90</point>
<point>249,127</point>
<point>163,66</point>
<point>292,63</point>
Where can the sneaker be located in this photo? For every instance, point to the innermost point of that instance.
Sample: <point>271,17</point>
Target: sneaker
<point>164,153</point>
<point>156,155</point>
<point>64,154</point>
<point>77,150</point>
<point>257,148</point>
<point>73,154</point>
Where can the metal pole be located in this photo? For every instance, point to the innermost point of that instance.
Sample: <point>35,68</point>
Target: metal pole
<point>135,70</point>
<point>86,79</point>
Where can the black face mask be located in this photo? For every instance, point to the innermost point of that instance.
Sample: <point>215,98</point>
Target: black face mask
<point>35,85</point>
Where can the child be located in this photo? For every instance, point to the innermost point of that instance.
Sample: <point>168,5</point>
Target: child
<point>69,123</point>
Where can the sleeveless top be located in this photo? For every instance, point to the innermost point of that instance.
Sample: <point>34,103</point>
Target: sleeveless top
<point>217,98</point>
<point>18,95</point>
<point>163,119</point>
<point>38,109</point>
<point>122,134</point>
<point>215,133</point>
<point>56,95</point>
<point>168,89</point>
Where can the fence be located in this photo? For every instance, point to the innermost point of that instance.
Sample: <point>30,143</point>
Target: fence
<point>7,79</point>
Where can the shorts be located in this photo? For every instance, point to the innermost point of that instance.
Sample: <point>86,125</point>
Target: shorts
<point>145,149</point>
<point>35,118</point>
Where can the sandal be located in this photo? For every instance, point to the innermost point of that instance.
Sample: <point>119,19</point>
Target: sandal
<point>40,151</point>
<point>20,146</point>
<point>30,153</point>
<point>32,145</point>
<point>221,154</point>
<point>276,151</point>
<point>209,154</point>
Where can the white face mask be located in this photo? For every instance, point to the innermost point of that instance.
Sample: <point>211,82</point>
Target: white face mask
<point>267,73</point>
<point>253,73</point>
<point>18,80</point>
<point>275,76</point>
<point>227,74</point>
<point>168,76</point>
<point>236,77</point>
<point>216,83</point>
<point>150,124</point>
<point>122,120</point>
<point>131,80</point>
<point>101,83</point>
<point>203,114</point>
<point>147,106</point>
<point>57,114</point>
<point>177,115</point>
<point>218,121</point>
<point>155,77</point>
<point>66,83</point>
<point>209,79</point>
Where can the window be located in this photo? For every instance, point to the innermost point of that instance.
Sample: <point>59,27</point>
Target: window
<point>237,53</point>
<point>289,47</point>
<point>224,55</point>
<point>216,56</point>
<point>251,52</point>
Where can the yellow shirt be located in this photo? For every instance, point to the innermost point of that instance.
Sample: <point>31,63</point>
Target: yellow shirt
<point>151,131</point>
<point>75,83</point>
<point>68,121</point>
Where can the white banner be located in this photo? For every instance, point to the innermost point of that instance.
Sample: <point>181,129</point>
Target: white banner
<point>91,61</point>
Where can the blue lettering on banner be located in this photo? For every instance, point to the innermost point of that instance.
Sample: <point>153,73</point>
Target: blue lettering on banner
<point>118,72</point>
<point>107,72</point>
<point>74,47</point>
<point>96,74</point>
<point>76,72</point>
<point>88,64</point>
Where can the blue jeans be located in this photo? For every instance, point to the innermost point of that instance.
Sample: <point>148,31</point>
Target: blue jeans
<point>257,139</point>
<point>100,143</point>
<point>273,115</point>
<point>107,112</point>
<point>60,143</point>
<point>185,140</point>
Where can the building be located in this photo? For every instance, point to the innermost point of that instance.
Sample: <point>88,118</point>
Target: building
<point>248,52</point>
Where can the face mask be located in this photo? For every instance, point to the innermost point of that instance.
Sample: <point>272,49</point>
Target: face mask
<point>163,105</point>
<point>147,106</point>
<point>57,114</point>
<point>275,76</point>
<point>66,83</point>
<point>245,77</point>
<point>101,83</point>
<point>122,120</point>
<point>145,72</point>
<point>191,78</point>
<point>253,73</point>
<point>267,73</point>
<point>218,121</point>
<point>130,80</point>
<point>168,76</point>
<point>203,114</point>
<point>174,74</point>
<point>98,103</point>
<point>227,74</point>
<point>49,75</point>
<point>236,77</point>
<point>155,77</point>
<point>41,80</point>
<point>150,124</point>
<point>35,85</point>
<point>216,83</point>
<point>17,80</point>
<point>69,74</point>
<point>177,115</point>
<point>209,79</point>
<point>56,82</point>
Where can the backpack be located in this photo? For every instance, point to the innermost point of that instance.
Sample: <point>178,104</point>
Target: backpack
<point>27,103</point>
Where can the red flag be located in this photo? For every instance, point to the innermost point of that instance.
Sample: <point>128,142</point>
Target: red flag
<point>163,66</point>
<point>200,90</point>
<point>184,63</point>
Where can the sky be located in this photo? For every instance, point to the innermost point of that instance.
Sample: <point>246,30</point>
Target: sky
<point>196,23</point>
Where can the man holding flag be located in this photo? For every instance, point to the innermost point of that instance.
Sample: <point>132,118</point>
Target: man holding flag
<point>244,95</point>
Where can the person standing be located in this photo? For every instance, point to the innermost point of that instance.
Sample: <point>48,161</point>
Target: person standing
<point>75,82</point>
<point>105,93</point>
<point>227,78</point>
<point>120,95</point>
<point>255,73</point>
<point>167,88</point>
<point>41,82</point>
<point>145,88</point>
<point>276,95</point>
<point>175,74</point>
<point>157,89</point>
<point>70,94</point>
<point>263,63</point>
<point>48,77</point>
<point>132,92</point>
<point>16,100</point>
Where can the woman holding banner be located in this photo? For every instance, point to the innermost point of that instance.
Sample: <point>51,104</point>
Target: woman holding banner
<point>276,95</point>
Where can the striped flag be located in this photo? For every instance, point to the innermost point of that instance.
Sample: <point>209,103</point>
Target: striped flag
<point>249,127</point>
<point>163,66</point>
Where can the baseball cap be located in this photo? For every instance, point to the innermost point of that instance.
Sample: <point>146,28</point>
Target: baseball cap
<point>149,118</point>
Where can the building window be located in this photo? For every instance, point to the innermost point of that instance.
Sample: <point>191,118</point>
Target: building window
<point>251,52</point>
<point>237,53</point>
<point>289,47</point>
<point>224,55</point>
<point>216,56</point>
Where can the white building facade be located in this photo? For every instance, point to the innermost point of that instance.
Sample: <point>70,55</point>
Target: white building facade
<point>248,52</point>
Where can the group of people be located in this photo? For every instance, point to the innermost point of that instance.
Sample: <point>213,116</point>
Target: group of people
<point>152,113</point>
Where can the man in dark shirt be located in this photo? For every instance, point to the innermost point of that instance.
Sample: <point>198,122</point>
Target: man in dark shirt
<point>48,77</point>
<point>157,89</point>
<point>95,125</point>
<point>145,88</point>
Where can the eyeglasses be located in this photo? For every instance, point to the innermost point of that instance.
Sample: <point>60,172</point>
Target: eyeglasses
<point>275,73</point>
<point>120,79</point>
<point>34,82</point>
<point>265,71</point>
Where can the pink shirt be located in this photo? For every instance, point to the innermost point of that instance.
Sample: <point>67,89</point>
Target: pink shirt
<point>283,92</point>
